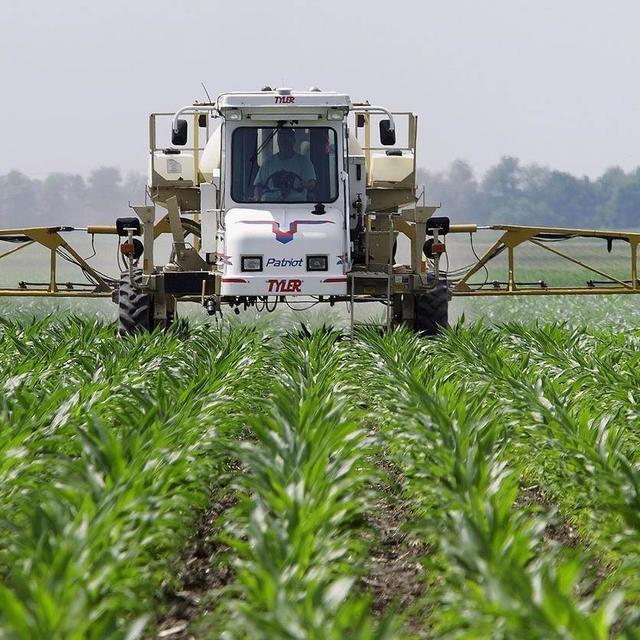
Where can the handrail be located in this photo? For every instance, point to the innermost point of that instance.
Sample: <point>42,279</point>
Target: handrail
<point>376,109</point>
<point>193,108</point>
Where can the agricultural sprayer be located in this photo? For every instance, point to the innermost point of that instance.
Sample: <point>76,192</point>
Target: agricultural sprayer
<point>290,197</point>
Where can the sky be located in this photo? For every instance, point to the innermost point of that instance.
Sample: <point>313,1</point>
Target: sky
<point>552,82</point>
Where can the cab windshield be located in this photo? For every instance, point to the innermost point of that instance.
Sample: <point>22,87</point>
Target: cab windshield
<point>284,164</point>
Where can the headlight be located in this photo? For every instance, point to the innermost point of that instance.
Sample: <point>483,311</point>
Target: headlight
<point>251,263</point>
<point>317,263</point>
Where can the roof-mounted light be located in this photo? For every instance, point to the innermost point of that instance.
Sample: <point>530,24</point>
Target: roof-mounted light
<point>335,115</point>
<point>233,115</point>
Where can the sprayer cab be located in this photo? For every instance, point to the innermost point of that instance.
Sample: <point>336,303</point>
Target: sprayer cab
<point>284,193</point>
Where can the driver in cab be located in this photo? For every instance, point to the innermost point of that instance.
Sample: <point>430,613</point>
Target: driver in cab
<point>287,175</point>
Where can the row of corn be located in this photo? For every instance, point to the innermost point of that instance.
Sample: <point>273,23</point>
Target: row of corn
<point>110,448</point>
<point>107,451</point>
<point>477,417</point>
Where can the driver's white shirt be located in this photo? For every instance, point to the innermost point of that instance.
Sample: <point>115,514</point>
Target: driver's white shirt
<point>297,163</point>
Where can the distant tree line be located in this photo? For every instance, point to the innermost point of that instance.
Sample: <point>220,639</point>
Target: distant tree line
<point>68,199</point>
<point>511,192</point>
<point>508,192</point>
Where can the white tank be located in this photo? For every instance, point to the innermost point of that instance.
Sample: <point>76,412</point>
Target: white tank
<point>172,167</point>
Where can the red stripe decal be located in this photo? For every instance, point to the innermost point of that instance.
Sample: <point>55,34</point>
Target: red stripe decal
<point>334,280</point>
<point>236,280</point>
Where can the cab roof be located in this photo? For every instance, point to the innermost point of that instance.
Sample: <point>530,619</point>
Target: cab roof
<point>287,98</point>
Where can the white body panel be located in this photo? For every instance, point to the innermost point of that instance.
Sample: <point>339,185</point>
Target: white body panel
<point>211,157</point>
<point>208,219</point>
<point>284,236</point>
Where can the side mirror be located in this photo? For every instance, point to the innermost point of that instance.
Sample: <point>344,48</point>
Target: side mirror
<point>179,137</point>
<point>387,134</point>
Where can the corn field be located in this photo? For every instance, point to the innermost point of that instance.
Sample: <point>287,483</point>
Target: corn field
<point>257,483</point>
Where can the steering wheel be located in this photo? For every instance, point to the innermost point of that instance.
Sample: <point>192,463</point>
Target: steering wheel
<point>284,182</point>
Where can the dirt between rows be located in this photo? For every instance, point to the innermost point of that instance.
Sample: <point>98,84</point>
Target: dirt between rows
<point>395,574</point>
<point>559,531</point>
<point>203,574</point>
<point>556,530</point>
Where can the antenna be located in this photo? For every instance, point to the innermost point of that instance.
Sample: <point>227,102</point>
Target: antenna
<point>205,90</point>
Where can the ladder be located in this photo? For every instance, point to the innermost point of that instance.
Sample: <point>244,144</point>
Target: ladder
<point>387,300</point>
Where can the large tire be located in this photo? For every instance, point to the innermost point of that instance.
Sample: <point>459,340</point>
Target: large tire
<point>135,308</point>
<point>432,309</point>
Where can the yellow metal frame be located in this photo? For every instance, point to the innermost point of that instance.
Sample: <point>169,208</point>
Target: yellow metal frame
<point>50,238</point>
<point>413,224</point>
<point>515,236</point>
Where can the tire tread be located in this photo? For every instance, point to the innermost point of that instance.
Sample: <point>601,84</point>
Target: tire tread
<point>432,309</point>
<point>134,307</point>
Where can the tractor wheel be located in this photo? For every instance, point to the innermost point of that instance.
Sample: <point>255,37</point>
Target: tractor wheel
<point>432,309</point>
<point>135,308</point>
